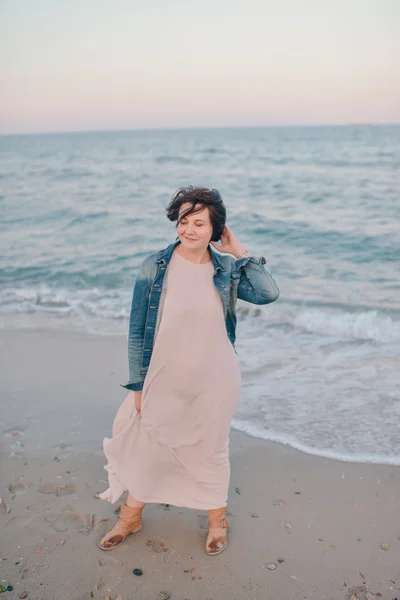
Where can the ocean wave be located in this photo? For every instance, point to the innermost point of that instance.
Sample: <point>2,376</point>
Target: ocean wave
<point>357,456</point>
<point>107,305</point>
<point>364,325</point>
<point>114,304</point>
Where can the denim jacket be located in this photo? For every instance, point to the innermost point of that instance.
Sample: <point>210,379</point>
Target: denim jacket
<point>245,278</point>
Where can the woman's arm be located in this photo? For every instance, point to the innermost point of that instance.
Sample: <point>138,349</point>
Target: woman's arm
<point>256,285</point>
<point>137,322</point>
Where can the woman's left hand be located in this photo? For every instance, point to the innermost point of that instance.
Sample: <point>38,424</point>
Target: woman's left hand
<point>229,243</point>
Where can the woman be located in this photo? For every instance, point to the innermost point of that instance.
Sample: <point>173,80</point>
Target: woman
<point>170,439</point>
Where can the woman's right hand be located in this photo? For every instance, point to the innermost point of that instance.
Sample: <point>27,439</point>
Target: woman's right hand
<point>138,401</point>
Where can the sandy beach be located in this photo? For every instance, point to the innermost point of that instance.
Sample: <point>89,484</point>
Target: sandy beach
<point>301,526</point>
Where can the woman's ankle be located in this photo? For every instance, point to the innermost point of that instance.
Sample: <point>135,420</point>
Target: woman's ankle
<point>133,503</point>
<point>217,514</point>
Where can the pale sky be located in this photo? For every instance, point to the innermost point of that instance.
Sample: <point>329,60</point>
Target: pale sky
<point>81,65</point>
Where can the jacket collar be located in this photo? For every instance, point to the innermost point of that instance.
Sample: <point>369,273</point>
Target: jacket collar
<point>164,256</point>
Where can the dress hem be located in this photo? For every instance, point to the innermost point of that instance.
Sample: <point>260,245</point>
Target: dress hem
<point>116,489</point>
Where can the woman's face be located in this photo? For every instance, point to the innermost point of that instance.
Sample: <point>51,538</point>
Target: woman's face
<point>195,230</point>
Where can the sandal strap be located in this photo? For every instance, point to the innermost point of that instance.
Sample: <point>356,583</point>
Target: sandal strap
<point>220,523</point>
<point>129,518</point>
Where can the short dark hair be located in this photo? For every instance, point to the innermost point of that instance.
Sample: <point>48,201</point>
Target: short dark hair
<point>204,197</point>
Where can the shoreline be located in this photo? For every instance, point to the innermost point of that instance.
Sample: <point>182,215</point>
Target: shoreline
<point>45,327</point>
<point>393,461</point>
<point>328,527</point>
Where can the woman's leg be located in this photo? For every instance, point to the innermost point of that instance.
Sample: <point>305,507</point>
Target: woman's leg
<point>130,521</point>
<point>217,532</point>
<point>134,503</point>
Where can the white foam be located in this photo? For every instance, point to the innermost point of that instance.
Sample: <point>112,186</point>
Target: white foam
<point>335,322</point>
<point>257,432</point>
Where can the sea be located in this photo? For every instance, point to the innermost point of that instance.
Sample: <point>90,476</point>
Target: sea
<point>320,366</point>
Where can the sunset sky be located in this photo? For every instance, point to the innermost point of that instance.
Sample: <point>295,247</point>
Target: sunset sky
<point>69,65</point>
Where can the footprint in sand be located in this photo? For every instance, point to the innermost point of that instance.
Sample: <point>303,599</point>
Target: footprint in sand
<point>58,490</point>
<point>20,521</point>
<point>105,562</point>
<point>68,520</point>
<point>162,545</point>
<point>158,544</point>
<point>108,579</point>
<point>37,560</point>
<point>17,488</point>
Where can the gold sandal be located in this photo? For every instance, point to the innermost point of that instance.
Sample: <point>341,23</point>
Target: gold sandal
<point>130,521</point>
<point>217,531</point>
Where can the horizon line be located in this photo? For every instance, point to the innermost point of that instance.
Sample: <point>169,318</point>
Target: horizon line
<point>194,128</point>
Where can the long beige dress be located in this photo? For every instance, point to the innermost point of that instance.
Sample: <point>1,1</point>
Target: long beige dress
<point>176,451</point>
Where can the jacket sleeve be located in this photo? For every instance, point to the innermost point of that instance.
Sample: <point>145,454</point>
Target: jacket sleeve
<point>137,323</point>
<point>256,285</point>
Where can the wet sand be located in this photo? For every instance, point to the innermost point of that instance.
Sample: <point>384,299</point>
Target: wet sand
<point>330,528</point>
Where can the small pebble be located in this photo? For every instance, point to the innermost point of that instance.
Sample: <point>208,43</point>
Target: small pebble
<point>254,515</point>
<point>10,588</point>
<point>293,577</point>
<point>137,572</point>
<point>23,595</point>
<point>278,502</point>
<point>271,567</point>
<point>164,595</point>
<point>385,547</point>
<point>281,560</point>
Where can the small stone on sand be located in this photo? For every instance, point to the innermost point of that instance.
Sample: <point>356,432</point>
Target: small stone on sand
<point>271,567</point>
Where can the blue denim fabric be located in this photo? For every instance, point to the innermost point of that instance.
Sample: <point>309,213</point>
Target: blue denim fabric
<point>245,278</point>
